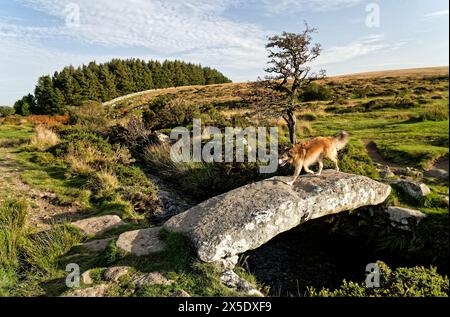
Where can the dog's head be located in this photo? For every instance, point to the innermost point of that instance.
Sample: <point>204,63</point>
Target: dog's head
<point>290,155</point>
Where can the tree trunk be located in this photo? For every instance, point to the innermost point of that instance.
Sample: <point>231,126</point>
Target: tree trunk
<point>292,125</point>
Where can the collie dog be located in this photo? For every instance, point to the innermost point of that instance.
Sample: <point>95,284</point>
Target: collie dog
<point>304,155</point>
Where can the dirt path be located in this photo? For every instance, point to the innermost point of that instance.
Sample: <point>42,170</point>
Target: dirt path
<point>442,164</point>
<point>43,213</point>
<point>438,169</point>
<point>372,150</point>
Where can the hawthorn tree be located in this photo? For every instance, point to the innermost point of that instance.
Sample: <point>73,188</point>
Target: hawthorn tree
<point>278,95</point>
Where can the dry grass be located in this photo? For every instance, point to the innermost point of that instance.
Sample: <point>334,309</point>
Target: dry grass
<point>43,139</point>
<point>410,72</point>
<point>104,181</point>
<point>87,159</point>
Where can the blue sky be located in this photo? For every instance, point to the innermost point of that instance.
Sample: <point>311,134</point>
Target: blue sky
<point>38,37</point>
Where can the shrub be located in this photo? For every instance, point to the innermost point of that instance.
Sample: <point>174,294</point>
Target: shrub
<point>200,180</point>
<point>308,116</point>
<point>90,114</point>
<point>402,282</point>
<point>169,112</point>
<point>87,152</point>
<point>84,158</point>
<point>43,139</point>
<point>133,135</point>
<point>110,178</point>
<point>314,92</point>
<point>6,111</point>
<point>211,116</point>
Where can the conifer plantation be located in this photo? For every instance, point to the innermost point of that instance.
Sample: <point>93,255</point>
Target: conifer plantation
<point>104,82</point>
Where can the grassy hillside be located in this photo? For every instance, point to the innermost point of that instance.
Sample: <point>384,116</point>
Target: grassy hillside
<point>405,112</point>
<point>105,161</point>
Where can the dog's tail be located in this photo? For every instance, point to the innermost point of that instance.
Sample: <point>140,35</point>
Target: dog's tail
<point>341,140</point>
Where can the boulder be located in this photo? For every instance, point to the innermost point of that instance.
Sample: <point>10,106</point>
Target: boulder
<point>409,172</point>
<point>386,172</point>
<point>98,225</point>
<point>154,278</point>
<point>402,217</point>
<point>141,242</point>
<point>416,190</point>
<point>232,280</point>
<point>180,293</point>
<point>97,245</point>
<point>246,218</point>
<point>162,138</point>
<point>86,278</point>
<point>114,273</point>
<point>436,173</point>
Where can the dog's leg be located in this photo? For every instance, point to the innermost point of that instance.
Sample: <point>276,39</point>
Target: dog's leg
<point>335,161</point>
<point>320,168</point>
<point>309,171</point>
<point>298,170</point>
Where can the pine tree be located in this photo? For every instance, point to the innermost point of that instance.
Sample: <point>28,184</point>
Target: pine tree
<point>49,100</point>
<point>124,77</point>
<point>107,81</point>
<point>25,106</point>
<point>166,75</point>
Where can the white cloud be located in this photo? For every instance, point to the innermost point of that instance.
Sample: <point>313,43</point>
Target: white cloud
<point>371,44</point>
<point>437,13</point>
<point>292,6</point>
<point>163,26</point>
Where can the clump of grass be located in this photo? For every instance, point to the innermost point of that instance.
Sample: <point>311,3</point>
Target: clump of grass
<point>159,158</point>
<point>435,113</point>
<point>84,158</point>
<point>13,217</point>
<point>10,143</point>
<point>26,257</point>
<point>8,279</point>
<point>104,181</point>
<point>43,139</point>
<point>308,116</point>
<point>42,251</point>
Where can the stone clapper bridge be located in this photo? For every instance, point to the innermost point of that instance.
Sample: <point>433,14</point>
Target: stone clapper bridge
<point>243,219</point>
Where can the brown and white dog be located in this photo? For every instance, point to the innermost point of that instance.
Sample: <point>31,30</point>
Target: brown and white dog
<point>304,155</point>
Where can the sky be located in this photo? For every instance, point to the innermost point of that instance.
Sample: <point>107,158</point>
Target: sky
<point>39,37</point>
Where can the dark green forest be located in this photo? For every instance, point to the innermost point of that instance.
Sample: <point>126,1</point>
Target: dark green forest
<point>104,82</point>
